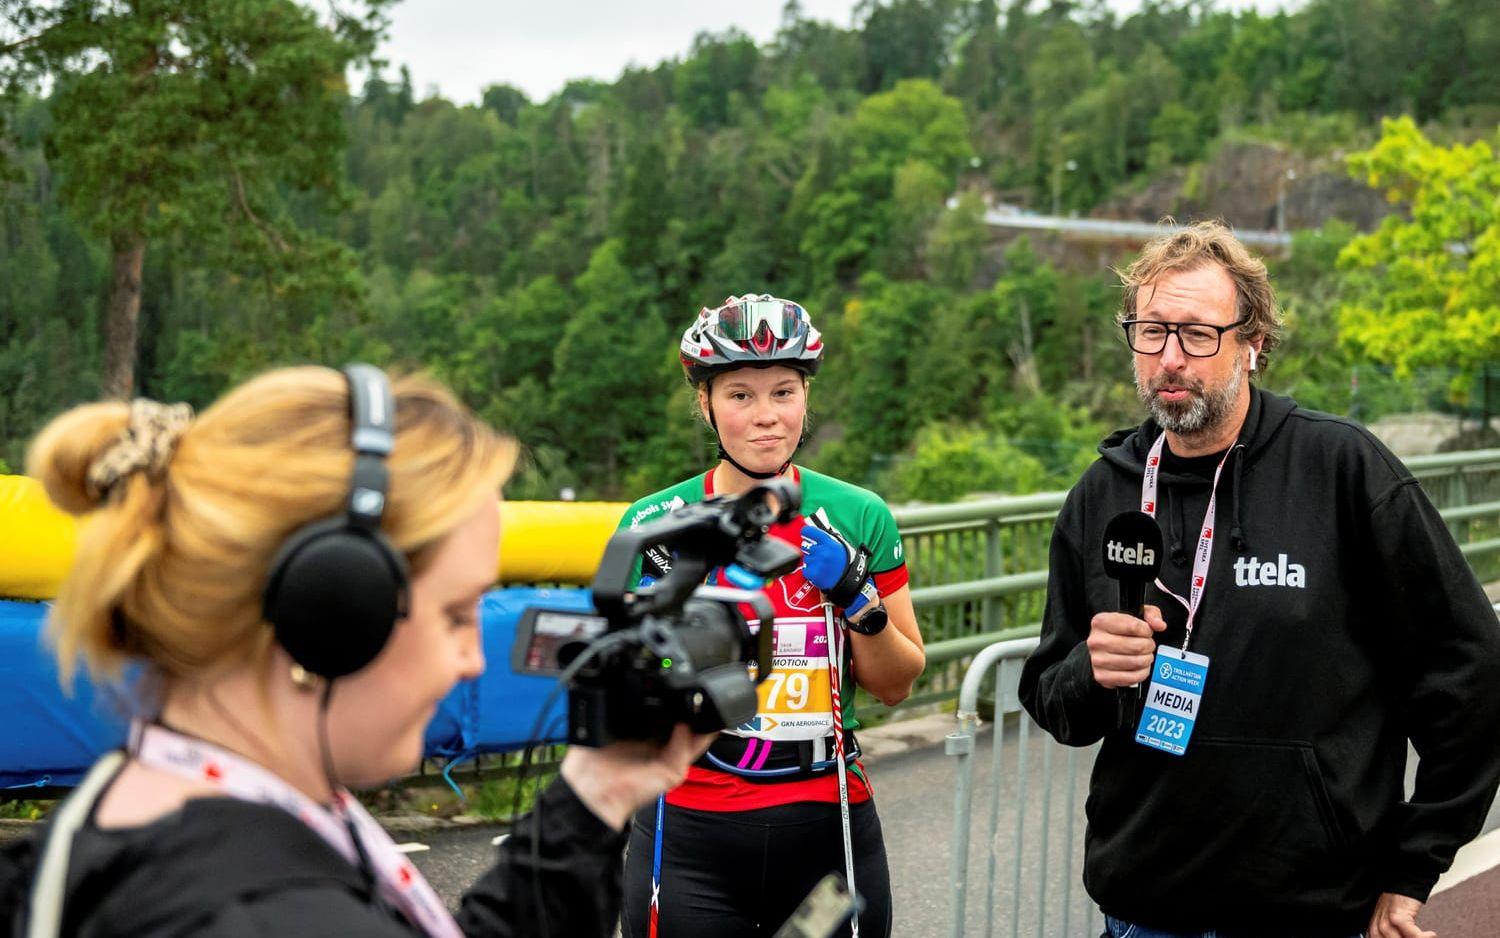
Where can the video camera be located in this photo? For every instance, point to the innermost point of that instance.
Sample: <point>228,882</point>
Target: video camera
<point>675,651</point>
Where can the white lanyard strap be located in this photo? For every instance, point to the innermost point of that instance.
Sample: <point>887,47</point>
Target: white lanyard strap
<point>1205,537</point>
<point>399,881</point>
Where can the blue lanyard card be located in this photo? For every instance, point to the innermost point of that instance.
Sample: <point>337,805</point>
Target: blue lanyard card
<point>1173,700</point>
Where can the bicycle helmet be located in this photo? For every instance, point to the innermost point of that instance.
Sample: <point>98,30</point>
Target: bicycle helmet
<point>755,331</point>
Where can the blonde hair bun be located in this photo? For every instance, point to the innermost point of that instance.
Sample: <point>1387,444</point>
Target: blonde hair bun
<point>62,454</point>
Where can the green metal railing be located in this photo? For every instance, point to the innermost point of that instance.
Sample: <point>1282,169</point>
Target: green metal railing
<point>979,568</point>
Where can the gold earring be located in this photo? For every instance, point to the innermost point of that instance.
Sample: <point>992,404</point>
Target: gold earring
<point>303,678</point>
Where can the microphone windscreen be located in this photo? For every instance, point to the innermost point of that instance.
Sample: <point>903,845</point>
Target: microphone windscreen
<point>1132,546</point>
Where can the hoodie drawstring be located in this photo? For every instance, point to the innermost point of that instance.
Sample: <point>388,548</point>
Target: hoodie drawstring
<point>1179,550</point>
<point>1237,528</point>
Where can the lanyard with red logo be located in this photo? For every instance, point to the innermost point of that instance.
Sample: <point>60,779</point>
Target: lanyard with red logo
<point>399,882</point>
<point>1205,539</point>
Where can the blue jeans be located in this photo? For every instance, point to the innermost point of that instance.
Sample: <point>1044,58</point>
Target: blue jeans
<point>1114,928</point>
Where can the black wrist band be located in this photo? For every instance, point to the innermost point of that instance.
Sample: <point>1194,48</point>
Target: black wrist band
<point>847,589</point>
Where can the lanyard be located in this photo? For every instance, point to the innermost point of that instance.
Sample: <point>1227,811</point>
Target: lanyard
<point>400,883</point>
<point>1205,538</point>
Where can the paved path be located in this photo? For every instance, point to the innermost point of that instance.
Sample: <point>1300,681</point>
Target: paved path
<point>914,786</point>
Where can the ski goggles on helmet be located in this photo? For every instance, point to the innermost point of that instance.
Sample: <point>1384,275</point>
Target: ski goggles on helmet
<point>742,319</point>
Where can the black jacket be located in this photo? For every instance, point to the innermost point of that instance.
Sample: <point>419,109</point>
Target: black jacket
<point>235,869</point>
<point>1286,815</point>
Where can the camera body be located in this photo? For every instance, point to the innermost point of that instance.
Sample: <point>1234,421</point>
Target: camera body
<point>675,651</point>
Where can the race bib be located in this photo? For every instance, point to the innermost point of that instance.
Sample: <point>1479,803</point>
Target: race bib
<point>796,700</point>
<point>1172,700</point>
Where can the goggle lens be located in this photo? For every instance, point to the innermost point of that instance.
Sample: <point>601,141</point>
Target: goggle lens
<point>740,321</point>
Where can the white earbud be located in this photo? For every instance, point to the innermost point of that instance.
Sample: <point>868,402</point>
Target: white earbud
<point>1252,359</point>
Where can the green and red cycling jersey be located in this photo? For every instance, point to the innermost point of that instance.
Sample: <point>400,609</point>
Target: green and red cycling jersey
<point>795,696</point>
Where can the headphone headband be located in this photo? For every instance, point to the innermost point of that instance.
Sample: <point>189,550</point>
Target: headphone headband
<point>372,436</point>
<point>372,409</point>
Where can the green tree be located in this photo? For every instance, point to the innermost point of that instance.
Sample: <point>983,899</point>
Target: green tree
<point>1424,290</point>
<point>506,101</point>
<point>607,384</point>
<point>192,116</point>
<point>905,39</point>
<point>1026,303</point>
<point>845,201</point>
<point>949,462</point>
<point>977,75</point>
<point>719,70</point>
<point>956,243</point>
<point>1312,365</point>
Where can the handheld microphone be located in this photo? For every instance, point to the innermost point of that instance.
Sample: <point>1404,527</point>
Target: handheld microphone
<point>1132,557</point>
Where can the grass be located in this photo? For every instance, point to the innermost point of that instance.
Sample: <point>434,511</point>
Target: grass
<point>24,810</point>
<point>493,796</point>
<point>502,799</point>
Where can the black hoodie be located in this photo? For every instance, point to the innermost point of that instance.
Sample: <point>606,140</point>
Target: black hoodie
<point>1360,625</point>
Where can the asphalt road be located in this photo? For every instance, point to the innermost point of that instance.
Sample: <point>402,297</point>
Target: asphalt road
<point>914,787</point>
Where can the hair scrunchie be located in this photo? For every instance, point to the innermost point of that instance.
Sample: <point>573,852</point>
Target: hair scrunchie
<point>145,445</point>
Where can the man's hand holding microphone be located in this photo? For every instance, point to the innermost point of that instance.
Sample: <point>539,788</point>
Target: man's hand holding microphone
<point>1121,644</point>
<point>1121,647</point>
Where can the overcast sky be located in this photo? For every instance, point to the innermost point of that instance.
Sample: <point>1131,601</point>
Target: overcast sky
<point>456,47</point>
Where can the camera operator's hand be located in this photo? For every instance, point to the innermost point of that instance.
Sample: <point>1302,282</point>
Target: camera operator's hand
<point>835,567</point>
<point>618,779</point>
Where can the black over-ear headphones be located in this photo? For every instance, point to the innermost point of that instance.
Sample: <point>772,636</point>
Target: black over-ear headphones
<point>337,586</point>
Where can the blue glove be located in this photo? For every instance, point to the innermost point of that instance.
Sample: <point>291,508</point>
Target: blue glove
<point>829,562</point>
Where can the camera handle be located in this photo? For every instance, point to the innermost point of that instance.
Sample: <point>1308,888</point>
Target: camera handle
<point>612,579</point>
<point>765,632</point>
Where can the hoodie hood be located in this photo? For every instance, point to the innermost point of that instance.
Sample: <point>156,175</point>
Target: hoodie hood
<point>1127,449</point>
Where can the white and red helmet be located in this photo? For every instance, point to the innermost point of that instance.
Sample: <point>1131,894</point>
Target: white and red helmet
<point>750,331</point>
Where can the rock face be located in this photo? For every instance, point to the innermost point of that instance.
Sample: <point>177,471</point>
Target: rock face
<point>1243,182</point>
<point>1249,185</point>
<point>1422,434</point>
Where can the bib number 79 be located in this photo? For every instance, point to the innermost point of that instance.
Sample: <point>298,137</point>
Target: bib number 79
<point>796,685</point>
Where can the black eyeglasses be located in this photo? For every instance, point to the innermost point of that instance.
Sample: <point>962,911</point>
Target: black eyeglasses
<point>1198,339</point>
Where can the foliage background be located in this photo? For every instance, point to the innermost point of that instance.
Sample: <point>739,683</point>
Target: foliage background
<point>543,257</point>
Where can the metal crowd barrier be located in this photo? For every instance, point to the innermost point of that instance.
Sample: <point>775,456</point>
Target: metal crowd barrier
<point>1042,891</point>
<point>1035,877</point>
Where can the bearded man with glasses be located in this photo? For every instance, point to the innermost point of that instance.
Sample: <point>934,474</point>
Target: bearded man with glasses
<point>1312,614</point>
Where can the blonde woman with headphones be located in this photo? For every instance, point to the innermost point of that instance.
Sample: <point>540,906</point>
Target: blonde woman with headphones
<point>297,573</point>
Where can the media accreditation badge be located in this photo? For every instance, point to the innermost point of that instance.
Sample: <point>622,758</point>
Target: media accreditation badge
<point>1173,700</point>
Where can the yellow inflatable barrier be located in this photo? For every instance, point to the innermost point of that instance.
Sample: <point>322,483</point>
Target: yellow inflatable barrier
<point>36,540</point>
<point>540,542</point>
<point>554,542</point>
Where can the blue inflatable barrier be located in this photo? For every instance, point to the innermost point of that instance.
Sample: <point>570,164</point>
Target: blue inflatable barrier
<point>51,739</point>
<point>497,712</point>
